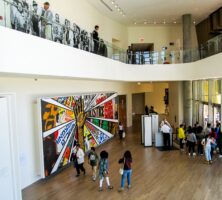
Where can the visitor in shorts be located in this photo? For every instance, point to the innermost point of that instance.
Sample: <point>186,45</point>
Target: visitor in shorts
<point>93,161</point>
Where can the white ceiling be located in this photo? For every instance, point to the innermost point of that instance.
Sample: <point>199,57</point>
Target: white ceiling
<point>151,11</point>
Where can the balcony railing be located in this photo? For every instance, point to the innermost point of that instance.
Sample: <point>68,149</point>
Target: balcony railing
<point>32,19</point>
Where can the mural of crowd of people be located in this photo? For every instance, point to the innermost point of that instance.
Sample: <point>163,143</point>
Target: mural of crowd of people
<point>29,17</point>
<point>89,120</point>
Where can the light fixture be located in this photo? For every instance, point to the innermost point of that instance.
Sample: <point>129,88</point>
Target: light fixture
<point>164,22</point>
<point>194,22</point>
<point>135,23</point>
<point>118,8</point>
<point>174,22</point>
<point>145,22</point>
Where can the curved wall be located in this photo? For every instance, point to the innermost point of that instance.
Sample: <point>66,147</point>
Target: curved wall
<point>23,54</point>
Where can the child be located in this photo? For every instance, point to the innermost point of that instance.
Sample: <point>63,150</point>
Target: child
<point>93,161</point>
<point>207,144</point>
<point>103,170</point>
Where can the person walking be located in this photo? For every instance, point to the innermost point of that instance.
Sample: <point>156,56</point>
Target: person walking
<point>181,136</point>
<point>104,170</point>
<point>93,161</point>
<point>80,160</point>
<point>120,130</point>
<point>127,170</point>
<point>192,140</point>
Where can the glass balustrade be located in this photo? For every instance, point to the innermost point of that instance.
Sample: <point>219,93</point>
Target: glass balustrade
<point>31,19</point>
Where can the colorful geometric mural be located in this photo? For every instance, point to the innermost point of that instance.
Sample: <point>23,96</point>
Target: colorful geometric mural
<point>89,120</point>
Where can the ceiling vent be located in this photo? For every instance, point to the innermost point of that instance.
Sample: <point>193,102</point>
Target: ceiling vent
<point>106,5</point>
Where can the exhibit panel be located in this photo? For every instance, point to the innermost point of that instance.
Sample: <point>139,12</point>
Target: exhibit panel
<point>146,130</point>
<point>89,120</point>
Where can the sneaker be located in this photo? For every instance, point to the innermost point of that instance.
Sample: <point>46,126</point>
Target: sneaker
<point>188,154</point>
<point>210,162</point>
<point>110,187</point>
<point>100,189</point>
<point>194,154</point>
<point>220,156</point>
<point>129,186</point>
<point>206,162</point>
<point>120,189</point>
<point>77,175</point>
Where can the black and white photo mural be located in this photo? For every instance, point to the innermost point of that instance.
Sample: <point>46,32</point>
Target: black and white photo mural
<point>29,17</point>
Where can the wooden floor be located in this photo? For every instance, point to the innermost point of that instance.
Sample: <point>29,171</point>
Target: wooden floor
<point>156,176</point>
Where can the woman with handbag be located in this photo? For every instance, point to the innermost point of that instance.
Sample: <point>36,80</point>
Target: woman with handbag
<point>126,170</point>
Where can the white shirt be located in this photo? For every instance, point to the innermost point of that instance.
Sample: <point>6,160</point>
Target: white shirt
<point>165,129</point>
<point>209,141</point>
<point>80,155</point>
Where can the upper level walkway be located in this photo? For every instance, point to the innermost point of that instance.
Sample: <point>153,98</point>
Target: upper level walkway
<point>26,55</point>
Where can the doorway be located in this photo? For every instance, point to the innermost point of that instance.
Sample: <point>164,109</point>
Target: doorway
<point>142,53</point>
<point>122,110</point>
<point>9,173</point>
<point>138,105</point>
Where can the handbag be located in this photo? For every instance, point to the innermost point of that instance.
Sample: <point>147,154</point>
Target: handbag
<point>121,171</point>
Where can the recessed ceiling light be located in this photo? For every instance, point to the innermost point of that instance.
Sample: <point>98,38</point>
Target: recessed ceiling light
<point>116,6</point>
<point>135,23</point>
<point>174,22</point>
<point>112,2</point>
<point>194,22</point>
<point>145,22</point>
<point>154,22</point>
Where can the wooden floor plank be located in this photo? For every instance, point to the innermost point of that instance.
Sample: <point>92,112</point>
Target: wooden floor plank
<point>156,175</point>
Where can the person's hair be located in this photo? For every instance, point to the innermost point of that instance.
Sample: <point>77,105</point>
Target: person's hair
<point>93,148</point>
<point>212,129</point>
<point>47,3</point>
<point>96,26</point>
<point>77,145</point>
<point>104,154</point>
<point>208,125</point>
<point>181,125</point>
<point>127,154</point>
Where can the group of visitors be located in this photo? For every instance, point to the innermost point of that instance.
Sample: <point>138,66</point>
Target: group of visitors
<point>208,141</point>
<point>102,164</point>
<point>150,110</point>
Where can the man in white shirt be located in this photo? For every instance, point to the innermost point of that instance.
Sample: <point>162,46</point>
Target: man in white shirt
<point>80,160</point>
<point>165,129</point>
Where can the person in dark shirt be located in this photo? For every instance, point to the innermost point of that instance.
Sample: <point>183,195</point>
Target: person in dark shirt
<point>96,39</point>
<point>127,169</point>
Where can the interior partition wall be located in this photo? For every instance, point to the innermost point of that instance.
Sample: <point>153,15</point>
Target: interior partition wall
<point>207,101</point>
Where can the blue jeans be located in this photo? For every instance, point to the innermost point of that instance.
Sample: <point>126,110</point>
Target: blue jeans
<point>126,173</point>
<point>207,153</point>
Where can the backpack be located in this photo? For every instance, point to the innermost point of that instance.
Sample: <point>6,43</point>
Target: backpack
<point>92,157</point>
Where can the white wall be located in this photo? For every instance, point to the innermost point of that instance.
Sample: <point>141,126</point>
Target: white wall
<point>27,91</point>
<point>23,54</point>
<point>156,97</point>
<point>86,16</point>
<point>160,35</point>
